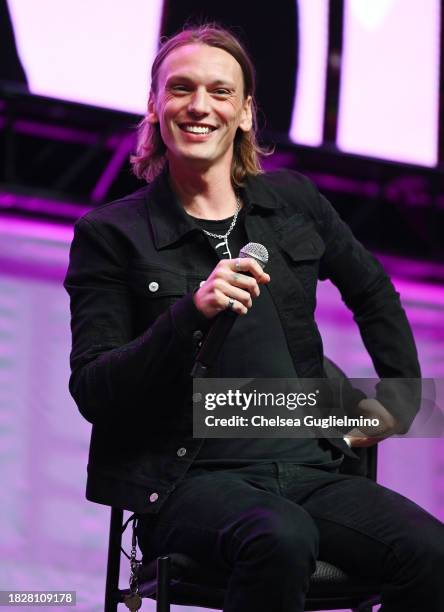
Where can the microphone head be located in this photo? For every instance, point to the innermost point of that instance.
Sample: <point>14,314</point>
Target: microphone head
<point>256,251</point>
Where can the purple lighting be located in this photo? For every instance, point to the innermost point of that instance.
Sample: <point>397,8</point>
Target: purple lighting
<point>109,174</point>
<point>57,132</point>
<point>41,205</point>
<point>390,80</point>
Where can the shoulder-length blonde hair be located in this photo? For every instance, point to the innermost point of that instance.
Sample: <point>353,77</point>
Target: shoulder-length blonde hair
<point>150,156</point>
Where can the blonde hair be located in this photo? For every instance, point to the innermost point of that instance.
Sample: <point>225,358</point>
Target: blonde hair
<point>150,156</point>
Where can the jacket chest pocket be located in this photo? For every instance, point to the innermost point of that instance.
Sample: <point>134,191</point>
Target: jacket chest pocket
<point>153,290</point>
<point>303,250</point>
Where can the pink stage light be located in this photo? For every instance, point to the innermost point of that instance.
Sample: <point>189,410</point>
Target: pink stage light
<point>308,109</point>
<point>90,51</point>
<point>390,80</point>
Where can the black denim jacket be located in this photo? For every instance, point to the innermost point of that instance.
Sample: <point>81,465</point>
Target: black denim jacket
<point>134,265</point>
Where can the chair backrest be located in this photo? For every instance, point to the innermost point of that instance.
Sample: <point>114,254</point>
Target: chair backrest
<point>368,457</point>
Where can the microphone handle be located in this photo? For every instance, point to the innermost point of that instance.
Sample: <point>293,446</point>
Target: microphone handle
<point>211,346</point>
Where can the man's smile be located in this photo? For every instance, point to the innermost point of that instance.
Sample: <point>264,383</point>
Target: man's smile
<point>197,128</point>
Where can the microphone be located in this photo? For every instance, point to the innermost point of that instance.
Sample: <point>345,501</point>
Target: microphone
<point>211,346</point>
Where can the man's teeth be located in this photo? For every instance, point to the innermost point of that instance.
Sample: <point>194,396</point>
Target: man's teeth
<point>197,129</point>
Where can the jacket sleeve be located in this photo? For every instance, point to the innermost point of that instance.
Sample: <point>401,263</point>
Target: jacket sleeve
<point>370,295</point>
<point>113,373</point>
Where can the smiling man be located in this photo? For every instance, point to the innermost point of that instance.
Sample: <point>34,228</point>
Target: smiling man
<point>200,103</point>
<point>148,276</point>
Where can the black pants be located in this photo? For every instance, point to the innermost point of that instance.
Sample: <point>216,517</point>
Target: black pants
<point>265,526</point>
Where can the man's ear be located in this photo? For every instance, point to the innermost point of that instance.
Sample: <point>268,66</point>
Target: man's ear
<point>246,122</point>
<point>151,112</point>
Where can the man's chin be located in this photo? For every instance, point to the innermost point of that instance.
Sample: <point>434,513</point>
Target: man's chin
<point>194,158</point>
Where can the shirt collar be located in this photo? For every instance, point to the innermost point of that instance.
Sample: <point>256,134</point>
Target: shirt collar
<point>258,191</point>
<point>169,221</point>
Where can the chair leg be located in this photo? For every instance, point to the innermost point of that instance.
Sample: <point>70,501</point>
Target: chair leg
<point>163,585</point>
<point>113,566</point>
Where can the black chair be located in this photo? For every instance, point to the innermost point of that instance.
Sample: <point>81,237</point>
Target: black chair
<point>177,579</point>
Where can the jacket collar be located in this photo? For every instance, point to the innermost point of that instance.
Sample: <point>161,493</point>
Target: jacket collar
<point>169,221</point>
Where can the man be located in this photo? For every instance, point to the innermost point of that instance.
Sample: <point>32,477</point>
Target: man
<point>147,277</point>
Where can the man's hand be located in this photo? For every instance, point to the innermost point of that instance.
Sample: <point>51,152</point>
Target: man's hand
<point>230,286</point>
<point>368,436</point>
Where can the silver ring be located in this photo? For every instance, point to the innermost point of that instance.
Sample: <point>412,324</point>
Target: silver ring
<point>238,266</point>
<point>230,303</point>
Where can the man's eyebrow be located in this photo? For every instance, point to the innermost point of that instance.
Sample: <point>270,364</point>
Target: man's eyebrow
<point>224,83</point>
<point>187,79</point>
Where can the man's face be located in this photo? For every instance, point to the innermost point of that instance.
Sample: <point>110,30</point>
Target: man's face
<point>200,105</point>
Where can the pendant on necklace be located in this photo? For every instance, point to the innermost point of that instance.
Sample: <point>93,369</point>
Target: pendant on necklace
<point>225,244</point>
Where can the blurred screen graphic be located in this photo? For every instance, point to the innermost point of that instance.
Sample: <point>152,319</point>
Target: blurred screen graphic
<point>308,111</point>
<point>90,51</point>
<point>390,80</point>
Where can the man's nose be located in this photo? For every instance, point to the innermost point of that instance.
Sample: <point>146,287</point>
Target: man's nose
<point>199,103</point>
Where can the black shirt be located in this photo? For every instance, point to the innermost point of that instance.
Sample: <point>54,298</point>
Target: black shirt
<point>246,353</point>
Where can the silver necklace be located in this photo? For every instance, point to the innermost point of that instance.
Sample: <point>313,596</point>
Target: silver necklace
<point>224,237</point>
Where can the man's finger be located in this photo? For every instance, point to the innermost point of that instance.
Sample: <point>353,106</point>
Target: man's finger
<point>249,265</point>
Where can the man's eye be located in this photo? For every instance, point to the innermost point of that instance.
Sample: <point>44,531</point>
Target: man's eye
<point>179,88</point>
<point>221,92</point>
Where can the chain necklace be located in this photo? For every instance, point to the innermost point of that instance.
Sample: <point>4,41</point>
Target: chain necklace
<point>224,237</point>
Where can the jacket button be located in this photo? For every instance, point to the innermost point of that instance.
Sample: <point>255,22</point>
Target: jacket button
<point>153,286</point>
<point>181,452</point>
<point>154,497</point>
<point>197,335</point>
